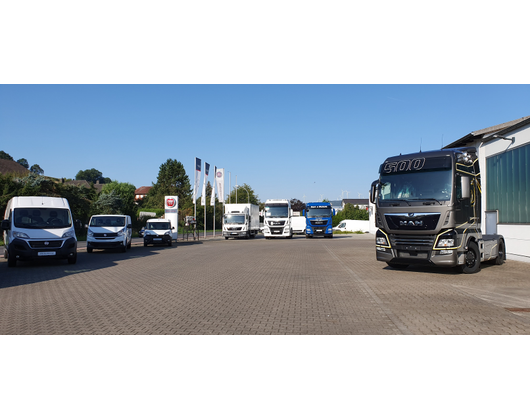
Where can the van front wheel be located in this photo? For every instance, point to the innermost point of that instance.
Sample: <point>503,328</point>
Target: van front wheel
<point>11,261</point>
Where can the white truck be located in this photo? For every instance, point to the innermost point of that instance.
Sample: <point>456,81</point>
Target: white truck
<point>277,221</point>
<point>240,220</point>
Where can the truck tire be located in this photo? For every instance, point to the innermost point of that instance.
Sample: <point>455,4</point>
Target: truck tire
<point>472,260</point>
<point>501,256</point>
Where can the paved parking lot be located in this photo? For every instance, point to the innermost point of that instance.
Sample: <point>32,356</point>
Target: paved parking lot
<point>258,286</point>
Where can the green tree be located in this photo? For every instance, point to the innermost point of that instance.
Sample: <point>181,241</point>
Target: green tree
<point>245,194</point>
<point>4,155</point>
<point>350,212</point>
<point>172,180</point>
<point>297,205</point>
<point>92,175</point>
<point>36,169</point>
<point>23,162</point>
<point>108,203</point>
<point>125,191</point>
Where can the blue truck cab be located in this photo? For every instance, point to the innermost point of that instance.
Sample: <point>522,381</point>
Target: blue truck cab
<point>318,217</point>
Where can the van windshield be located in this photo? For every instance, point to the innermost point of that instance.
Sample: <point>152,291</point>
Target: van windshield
<point>41,218</point>
<point>107,221</point>
<point>158,226</point>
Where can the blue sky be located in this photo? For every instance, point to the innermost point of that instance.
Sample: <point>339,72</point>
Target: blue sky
<point>286,141</point>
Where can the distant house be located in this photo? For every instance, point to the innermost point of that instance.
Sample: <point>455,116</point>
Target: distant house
<point>140,193</point>
<point>84,183</point>
<point>362,203</point>
<point>12,167</point>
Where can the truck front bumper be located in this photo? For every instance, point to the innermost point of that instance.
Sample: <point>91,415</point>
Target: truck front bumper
<point>448,258</point>
<point>235,234</point>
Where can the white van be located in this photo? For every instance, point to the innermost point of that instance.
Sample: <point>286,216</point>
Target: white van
<point>109,231</point>
<point>38,227</point>
<point>158,231</point>
<point>352,226</point>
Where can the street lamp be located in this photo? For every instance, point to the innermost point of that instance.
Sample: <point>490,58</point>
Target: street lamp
<point>248,195</point>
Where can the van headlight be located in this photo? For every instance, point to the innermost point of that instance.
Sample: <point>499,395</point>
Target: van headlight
<point>68,234</point>
<point>90,234</point>
<point>20,235</point>
<point>120,232</point>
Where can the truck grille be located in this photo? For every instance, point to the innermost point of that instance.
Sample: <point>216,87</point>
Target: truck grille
<point>412,242</point>
<point>318,222</point>
<point>234,228</point>
<point>280,223</point>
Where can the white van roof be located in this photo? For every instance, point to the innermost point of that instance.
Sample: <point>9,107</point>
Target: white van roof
<point>54,202</point>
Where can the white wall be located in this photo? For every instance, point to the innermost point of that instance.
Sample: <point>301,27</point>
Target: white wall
<point>517,236</point>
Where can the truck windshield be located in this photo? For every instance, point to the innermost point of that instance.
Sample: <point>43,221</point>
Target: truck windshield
<point>107,221</point>
<point>278,210</point>
<point>420,185</point>
<point>318,212</point>
<point>235,219</point>
<point>42,218</point>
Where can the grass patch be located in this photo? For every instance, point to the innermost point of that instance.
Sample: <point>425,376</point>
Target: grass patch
<point>339,232</point>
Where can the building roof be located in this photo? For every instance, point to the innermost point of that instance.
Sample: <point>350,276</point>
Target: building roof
<point>489,132</point>
<point>356,201</point>
<point>84,183</point>
<point>11,167</point>
<point>142,190</point>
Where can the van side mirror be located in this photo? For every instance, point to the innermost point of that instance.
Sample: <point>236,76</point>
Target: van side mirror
<point>465,182</point>
<point>5,225</point>
<point>129,226</point>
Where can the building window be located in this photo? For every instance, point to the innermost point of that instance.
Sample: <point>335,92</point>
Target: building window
<point>508,185</point>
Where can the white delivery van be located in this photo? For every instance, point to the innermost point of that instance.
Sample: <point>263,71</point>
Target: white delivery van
<point>109,231</point>
<point>352,226</point>
<point>158,231</point>
<point>298,224</point>
<point>38,228</point>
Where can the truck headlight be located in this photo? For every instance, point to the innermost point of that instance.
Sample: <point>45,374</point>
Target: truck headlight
<point>446,240</point>
<point>381,239</point>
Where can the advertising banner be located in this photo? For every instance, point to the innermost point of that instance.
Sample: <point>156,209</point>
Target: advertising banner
<point>212,200</point>
<point>203,196</point>
<point>197,178</point>
<point>220,181</point>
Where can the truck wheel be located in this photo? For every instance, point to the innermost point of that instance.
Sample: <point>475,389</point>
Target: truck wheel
<point>501,254</point>
<point>472,260</point>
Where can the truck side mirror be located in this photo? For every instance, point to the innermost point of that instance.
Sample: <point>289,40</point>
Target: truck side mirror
<point>334,212</point>
<point>303,212</point>
<point>373,191</point>
<point>466,187</point>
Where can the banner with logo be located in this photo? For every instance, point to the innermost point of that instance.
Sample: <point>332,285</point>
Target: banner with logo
<point>220,181</point>
<point>203,196</point>
<point>212,200</point>
<point>197,178</point>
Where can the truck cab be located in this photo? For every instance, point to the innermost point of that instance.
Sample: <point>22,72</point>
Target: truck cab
<point>277,219</point>
<point>428,212</point>
<point>319,220</point>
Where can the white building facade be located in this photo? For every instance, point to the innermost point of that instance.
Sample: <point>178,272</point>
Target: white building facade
<point>504,158</point>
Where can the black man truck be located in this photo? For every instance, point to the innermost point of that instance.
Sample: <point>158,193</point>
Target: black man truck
<point>428,212</point>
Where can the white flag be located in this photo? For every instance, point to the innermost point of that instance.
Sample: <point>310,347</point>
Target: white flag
<point>203,196</point>
<point>197,178</point>
<point>220,181</point>
<point>212,200</point>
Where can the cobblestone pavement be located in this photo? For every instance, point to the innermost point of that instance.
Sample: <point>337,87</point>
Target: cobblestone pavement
<point>257,286</point>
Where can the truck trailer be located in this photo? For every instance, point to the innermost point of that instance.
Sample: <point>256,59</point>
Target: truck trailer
<point>319,220</point>
<point>428,211</point>
<point>240,220</point>
<point>277,220</point>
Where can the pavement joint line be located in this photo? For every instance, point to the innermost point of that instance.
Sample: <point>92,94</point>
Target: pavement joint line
<point>402,327</point>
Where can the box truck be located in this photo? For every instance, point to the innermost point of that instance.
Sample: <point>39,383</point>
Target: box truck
<point>240,220</point>
<point>428,211</point>
<point>38,228</point>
